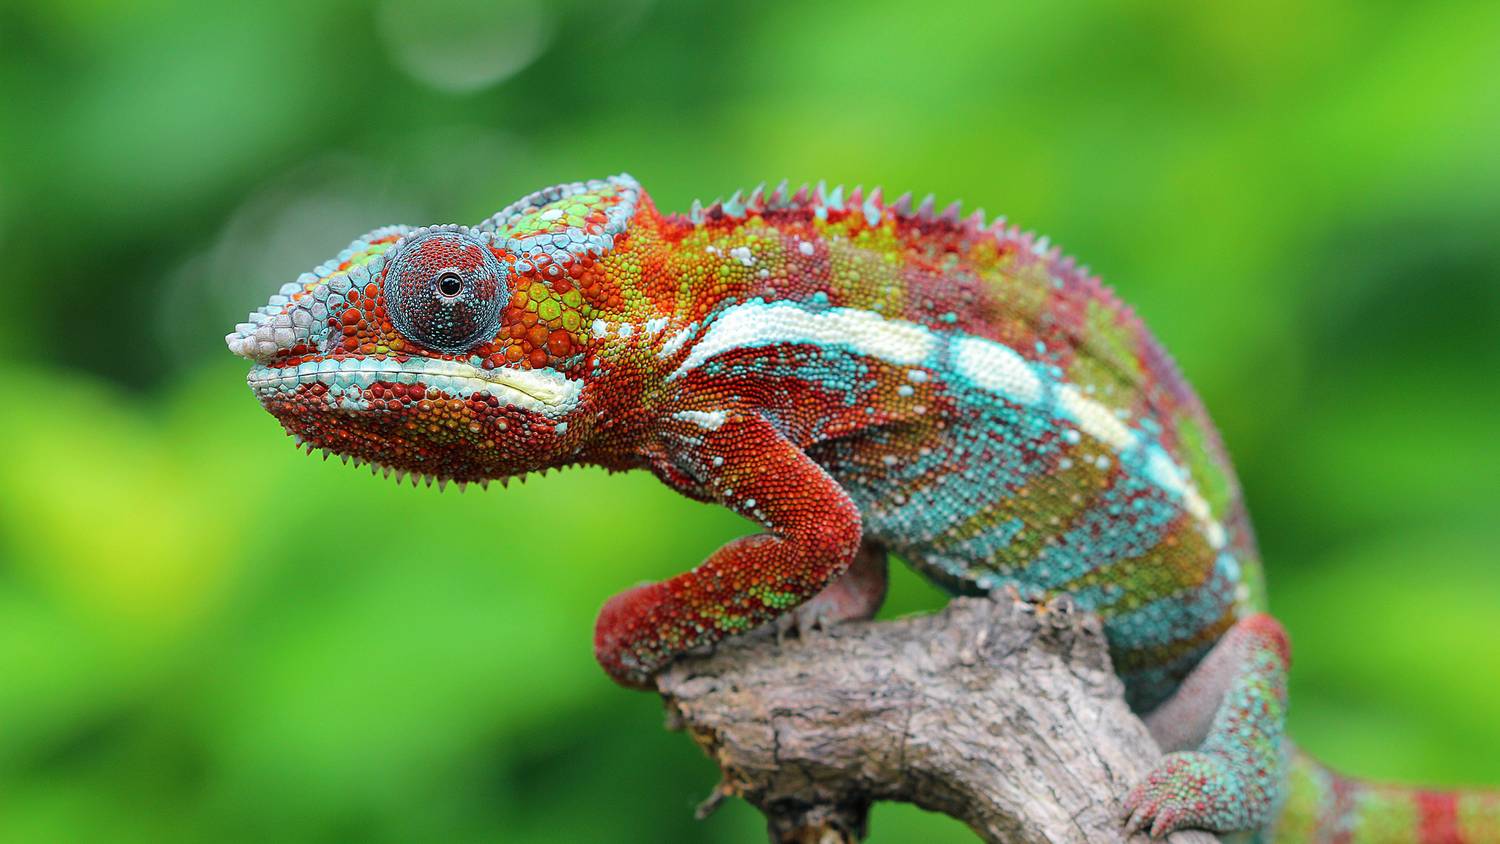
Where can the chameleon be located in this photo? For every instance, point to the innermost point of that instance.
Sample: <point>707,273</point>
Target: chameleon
<point>860,377</point>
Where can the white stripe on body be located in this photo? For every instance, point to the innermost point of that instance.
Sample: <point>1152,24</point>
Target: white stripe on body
<point>760,324</point>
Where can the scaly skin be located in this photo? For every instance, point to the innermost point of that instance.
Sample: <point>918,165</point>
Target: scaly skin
<point>855,376</point>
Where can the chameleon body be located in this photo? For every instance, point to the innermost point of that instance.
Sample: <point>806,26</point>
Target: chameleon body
<point>859,377</point>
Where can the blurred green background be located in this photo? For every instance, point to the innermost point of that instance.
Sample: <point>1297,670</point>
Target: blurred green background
<point>205,635</point>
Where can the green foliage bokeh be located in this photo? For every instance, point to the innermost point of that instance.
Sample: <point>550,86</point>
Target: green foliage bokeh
<point>206,636</point>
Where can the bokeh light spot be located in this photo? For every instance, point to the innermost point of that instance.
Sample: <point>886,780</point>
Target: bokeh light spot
<point>463,45</point>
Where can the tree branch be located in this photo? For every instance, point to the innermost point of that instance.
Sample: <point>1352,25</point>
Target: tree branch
<point>1002,714</point>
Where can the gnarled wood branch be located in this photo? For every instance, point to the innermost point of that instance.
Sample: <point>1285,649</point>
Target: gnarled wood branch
<point>1004,715</point>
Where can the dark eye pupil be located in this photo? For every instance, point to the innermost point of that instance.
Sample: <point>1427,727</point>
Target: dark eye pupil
<point>450,284</point>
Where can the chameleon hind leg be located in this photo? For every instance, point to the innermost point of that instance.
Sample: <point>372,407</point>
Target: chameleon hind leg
<point>1222,731</point>
<point>813,530</point>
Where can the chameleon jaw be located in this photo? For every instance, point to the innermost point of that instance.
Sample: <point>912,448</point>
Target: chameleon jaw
<point>544,391</point>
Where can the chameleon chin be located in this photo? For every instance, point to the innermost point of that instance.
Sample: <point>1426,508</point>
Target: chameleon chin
<point>856,375</point>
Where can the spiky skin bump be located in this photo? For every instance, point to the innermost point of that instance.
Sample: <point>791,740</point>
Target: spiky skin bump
<point>849,373</point>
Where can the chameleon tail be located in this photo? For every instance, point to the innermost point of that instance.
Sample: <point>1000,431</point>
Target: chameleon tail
<point>1325,806</point>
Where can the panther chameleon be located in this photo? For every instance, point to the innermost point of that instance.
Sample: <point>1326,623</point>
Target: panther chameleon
<point>859,377</point>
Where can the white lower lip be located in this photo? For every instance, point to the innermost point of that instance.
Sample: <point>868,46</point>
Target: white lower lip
<point>543,390</point>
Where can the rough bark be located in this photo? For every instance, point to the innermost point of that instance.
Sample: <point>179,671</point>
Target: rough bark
<point>1004,715</point>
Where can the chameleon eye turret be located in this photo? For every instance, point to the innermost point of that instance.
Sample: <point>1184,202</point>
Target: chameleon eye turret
<point>445,289</point>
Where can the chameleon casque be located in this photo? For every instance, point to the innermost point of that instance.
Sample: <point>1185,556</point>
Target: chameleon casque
<point>858,376</point>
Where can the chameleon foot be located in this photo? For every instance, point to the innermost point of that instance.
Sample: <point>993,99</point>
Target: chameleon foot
<point>1186,790</point>
<point>857,594</point>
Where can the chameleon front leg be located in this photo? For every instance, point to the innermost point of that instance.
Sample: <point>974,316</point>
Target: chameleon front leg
<point>1223,730</point>
<point>813,532</point>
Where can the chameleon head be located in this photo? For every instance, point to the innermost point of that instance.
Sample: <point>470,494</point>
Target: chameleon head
<point>409,350</point>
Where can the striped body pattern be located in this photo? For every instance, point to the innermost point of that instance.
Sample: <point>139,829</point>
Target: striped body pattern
<point>858,376</point>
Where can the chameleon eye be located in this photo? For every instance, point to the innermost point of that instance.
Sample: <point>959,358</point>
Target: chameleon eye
<point>445,290</point>
<point>450,285</point>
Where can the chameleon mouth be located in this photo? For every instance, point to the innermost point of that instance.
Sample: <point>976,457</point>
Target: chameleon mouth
<point>544,391</point>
